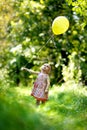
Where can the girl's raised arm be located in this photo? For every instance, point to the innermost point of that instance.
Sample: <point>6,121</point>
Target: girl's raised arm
<point>30,71</point>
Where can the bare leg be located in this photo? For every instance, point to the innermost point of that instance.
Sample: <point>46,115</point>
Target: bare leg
<point>43,102</point>
<point>37,102</point>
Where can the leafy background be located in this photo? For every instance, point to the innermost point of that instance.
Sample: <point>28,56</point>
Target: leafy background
<point>26,39</point>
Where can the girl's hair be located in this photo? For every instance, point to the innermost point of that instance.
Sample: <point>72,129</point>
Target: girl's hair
<point>48,67</point>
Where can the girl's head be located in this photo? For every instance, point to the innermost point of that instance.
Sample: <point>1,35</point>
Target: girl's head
<point>46,68</point>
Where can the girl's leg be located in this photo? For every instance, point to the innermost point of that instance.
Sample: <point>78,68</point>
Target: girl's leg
<point>37,102</point>
<point>43,102</point>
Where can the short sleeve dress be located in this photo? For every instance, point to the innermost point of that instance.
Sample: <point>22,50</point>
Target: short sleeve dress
<point>41,83</point>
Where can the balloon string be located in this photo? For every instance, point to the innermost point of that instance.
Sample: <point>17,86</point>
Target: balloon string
<point>45,43</point>
<point>38,51</point>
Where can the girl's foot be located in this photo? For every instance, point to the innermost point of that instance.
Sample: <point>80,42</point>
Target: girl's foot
<point>37,102</point>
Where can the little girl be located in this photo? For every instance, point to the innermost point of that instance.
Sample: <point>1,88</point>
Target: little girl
<point>42,83</point>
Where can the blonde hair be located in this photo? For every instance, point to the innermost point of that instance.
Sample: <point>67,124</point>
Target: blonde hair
<point>48,68</point>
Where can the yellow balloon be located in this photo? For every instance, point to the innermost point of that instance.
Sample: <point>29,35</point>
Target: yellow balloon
<point>60,25</point>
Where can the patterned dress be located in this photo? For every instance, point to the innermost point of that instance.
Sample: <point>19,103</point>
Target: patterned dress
<point>40,85</point>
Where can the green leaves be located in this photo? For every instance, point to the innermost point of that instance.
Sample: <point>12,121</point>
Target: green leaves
<point>28,23</point>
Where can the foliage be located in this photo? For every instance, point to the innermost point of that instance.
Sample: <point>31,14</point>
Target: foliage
<point>73,70</point>
<point>27,38</point>
<point>6,11</point>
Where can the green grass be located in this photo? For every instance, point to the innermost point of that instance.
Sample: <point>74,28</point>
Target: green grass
<point>66,109</point>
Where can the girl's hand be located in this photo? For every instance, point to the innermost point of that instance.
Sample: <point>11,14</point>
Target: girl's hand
<point>29,70</point>
<point>23,68</point>
<point>46,91</point>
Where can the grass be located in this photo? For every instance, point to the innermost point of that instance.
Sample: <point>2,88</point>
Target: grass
<point>66,109</point>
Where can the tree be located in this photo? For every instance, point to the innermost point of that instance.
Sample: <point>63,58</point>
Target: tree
<point>31,29</point>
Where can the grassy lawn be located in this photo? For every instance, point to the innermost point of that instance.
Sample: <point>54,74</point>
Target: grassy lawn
<point>66,109</point>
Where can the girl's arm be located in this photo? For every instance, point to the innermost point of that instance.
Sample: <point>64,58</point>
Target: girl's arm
<point>48,84</point>
<point>29,70</point>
